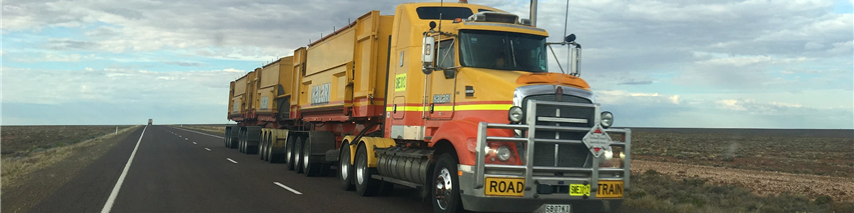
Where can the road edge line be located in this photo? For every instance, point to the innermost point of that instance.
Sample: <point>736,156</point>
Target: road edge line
<point>199,132</point>
<point>115,193</point>
<point>288,188</point>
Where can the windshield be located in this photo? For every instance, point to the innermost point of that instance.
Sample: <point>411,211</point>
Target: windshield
<point>503,50</point>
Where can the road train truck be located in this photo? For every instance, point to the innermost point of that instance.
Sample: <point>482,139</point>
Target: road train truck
<point>453,99</point>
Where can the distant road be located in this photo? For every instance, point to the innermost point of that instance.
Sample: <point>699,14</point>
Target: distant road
<point>178,170</point>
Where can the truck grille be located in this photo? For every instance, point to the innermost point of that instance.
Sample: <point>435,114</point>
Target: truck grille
<point>568,155</point>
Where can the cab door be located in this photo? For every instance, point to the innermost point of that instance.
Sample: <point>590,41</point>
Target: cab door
<point>440,101</point>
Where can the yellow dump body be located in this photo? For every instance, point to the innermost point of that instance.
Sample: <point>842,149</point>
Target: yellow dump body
<point>343,75</point>
<point>274,82</point>
<point>242,99</point>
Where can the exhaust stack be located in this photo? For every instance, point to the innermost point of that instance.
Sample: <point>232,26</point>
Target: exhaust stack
<point>533,15</point>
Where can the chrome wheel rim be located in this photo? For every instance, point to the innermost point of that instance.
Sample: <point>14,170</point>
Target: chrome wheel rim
<point>305,154</point>
<point>360,170</point>
<point>345,166</point>
<point>444,186</point>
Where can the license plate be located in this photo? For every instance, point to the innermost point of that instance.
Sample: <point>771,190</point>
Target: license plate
<point>505,186</point>
<point>610,189</point>
<point>579,190</point>
<point>557,208</point>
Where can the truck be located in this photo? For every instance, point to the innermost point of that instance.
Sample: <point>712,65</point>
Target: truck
<point>149,121</point>
<point>453,99</point>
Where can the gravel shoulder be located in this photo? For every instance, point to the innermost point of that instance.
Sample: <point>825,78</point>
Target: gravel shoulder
<point>841,189</point>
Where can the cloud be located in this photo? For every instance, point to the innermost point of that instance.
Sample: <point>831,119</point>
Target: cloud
<point>68,44</point>
<point>633,82</point>
<point>117,86</point>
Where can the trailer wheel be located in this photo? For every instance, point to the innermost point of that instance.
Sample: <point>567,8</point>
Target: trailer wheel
<point>261,146</point>
<point>298,154</point>
<point>345,170</point>
<point>365,184</point>
<point>446,191</point>
<point>310,169</point>
<point>289,151</point>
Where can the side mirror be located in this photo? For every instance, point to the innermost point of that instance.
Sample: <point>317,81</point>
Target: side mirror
<point>427,54</point>
<point>450,73</point>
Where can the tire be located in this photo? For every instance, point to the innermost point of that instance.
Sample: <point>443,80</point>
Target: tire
<point>240,139</point>
<point>298,157</point>
<point>365,184</point>
<point>261,147</point>
<point>310,169</point>
<point>345,170</point>
<point>289,151</point>
<point>446,200</point>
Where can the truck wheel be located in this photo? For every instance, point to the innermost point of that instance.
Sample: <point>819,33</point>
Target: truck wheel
<point>298,157</point>
<point>345,170</point>
<point>310,169</point>
<point>365,184</point>
<point>289,151</point>
<point>446,194</point>
<point>261,146</point>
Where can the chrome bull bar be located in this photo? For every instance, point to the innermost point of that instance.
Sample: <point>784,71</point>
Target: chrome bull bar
<point>591,175</point>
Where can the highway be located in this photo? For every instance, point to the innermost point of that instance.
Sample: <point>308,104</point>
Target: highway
<point>179,170</point>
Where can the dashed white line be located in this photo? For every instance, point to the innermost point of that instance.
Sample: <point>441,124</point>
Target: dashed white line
<point>208,149</point>
<point>288,188</point>
<point>109,205</point>
<point>229,159</point>
<point>201,133</point>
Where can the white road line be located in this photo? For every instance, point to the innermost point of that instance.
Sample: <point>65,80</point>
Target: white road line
<point>229,159</point>
<point>201,133</point>
<point>288,188</point>
<point>109,205</point>
<point>208,149</point>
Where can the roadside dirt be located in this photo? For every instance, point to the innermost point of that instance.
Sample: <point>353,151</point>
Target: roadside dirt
<point>33,187</point>
<point>841,189</point>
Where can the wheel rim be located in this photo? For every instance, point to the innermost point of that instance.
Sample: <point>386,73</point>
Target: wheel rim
<point>444,186</point>
<point>344,164</point>
<point>360,170</point>
<point>306,152</point>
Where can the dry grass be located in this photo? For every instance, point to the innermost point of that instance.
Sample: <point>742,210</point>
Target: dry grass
<point>23,163</point>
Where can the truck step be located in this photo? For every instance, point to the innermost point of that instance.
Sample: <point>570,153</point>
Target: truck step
<point>396,181</point>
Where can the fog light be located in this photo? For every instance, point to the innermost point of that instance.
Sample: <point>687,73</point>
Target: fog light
<point>503,153</point>
<point>607,119</point>
<point>515,114</point>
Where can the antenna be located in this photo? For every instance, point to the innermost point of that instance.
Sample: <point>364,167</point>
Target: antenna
<point>566,18</point>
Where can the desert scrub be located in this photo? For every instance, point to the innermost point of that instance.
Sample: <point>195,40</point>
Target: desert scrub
<point>655,192</point>
<point>21,163</point>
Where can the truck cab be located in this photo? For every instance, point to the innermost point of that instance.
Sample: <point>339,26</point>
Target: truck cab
<point>475,83</point>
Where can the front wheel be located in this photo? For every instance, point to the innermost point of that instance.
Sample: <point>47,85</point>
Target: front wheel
<point>446,194</point>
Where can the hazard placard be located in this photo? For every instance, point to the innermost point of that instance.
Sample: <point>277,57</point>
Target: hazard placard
<point>597,140</point>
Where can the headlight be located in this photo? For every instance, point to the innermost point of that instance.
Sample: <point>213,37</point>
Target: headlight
<point>515,114</point>
<point>503,153</point>
<point>607,119</point>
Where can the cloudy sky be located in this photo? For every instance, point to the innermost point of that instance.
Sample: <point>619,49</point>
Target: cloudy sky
<point>667,63</point>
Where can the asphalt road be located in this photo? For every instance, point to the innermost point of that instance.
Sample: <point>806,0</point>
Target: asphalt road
<point>178,170</point>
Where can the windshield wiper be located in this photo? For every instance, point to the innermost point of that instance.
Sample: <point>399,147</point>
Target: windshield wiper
<point>513,54</point>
